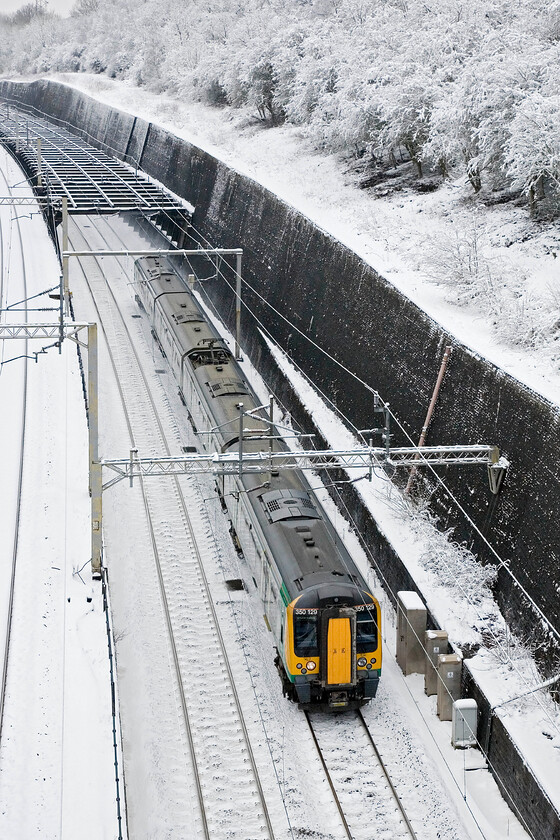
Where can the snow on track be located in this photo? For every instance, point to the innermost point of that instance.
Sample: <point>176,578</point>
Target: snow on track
<point>358,778</point>
<point>56,763</point>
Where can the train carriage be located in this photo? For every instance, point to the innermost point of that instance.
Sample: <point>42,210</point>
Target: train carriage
<point>325,623</point>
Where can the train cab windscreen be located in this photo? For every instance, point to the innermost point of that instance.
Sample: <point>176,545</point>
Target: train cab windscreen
<point>305,635</point>
<point>366,631</point>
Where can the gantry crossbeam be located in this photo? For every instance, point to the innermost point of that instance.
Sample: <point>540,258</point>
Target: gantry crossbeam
<point>53,330</point>
<point>21,201</point>
<point>364,457</point>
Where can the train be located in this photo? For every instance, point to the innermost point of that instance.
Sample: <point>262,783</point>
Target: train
<point>325,623</point>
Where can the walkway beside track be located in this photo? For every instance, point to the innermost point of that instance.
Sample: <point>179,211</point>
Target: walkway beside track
<point>92,181</point>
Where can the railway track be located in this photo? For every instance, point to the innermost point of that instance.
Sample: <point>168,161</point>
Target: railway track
<point>15,391</point>
<point>365,796</point>
<point>360,782</point>
<point>222,762</point>
<point>367,803</point>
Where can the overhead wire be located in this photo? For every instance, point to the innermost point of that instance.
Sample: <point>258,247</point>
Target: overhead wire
<point>373,391</point>
<point>502,563</point>
<point>349,372</point>
<point>466,594</point>
<point>389,589</point>
<point>11,306</point>
<point>464,591</point>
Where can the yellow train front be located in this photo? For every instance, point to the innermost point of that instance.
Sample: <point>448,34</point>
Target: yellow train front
<point>332,650</point>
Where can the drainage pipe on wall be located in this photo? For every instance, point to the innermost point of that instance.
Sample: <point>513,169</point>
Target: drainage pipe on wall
<point>431,409</point>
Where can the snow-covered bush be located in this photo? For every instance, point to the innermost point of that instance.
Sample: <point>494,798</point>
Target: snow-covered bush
<point>460,261</point>
<point>523,315</point>
<point>457,568</point>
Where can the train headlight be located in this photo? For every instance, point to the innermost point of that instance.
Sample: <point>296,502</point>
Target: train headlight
<point>362,661</point>
<point>310,666</point>
<point>373,660</point>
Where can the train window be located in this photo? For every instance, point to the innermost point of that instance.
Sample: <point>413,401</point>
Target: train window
<point>305,635</point>
<point>366,633</point>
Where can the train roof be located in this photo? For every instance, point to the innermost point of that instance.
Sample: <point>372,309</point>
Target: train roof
<point>306,547</point>
<point>161,278</point>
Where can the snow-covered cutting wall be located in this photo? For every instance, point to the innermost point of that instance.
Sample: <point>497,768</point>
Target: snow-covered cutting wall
<point>358,317</point>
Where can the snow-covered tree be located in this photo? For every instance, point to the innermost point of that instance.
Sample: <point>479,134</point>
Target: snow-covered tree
<point>455,86</point>
<point>532,153</point>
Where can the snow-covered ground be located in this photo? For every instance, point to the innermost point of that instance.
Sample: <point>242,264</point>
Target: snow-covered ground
<point>56,757</point>
<point>390,234</point>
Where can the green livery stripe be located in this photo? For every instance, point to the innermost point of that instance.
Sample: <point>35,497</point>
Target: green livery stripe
<point>284,594</point>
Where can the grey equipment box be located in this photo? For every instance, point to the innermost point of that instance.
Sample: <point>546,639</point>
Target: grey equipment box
<point>411,627</point>
<point>449,683</point>
<point>463,723</point>
<point>435,642</point>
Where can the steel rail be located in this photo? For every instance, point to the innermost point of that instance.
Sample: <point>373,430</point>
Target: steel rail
<point>209,602</point>
<point>212,608</point>
<point>329,778</point>
<point>163,594</point>
<point>386,773</point>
